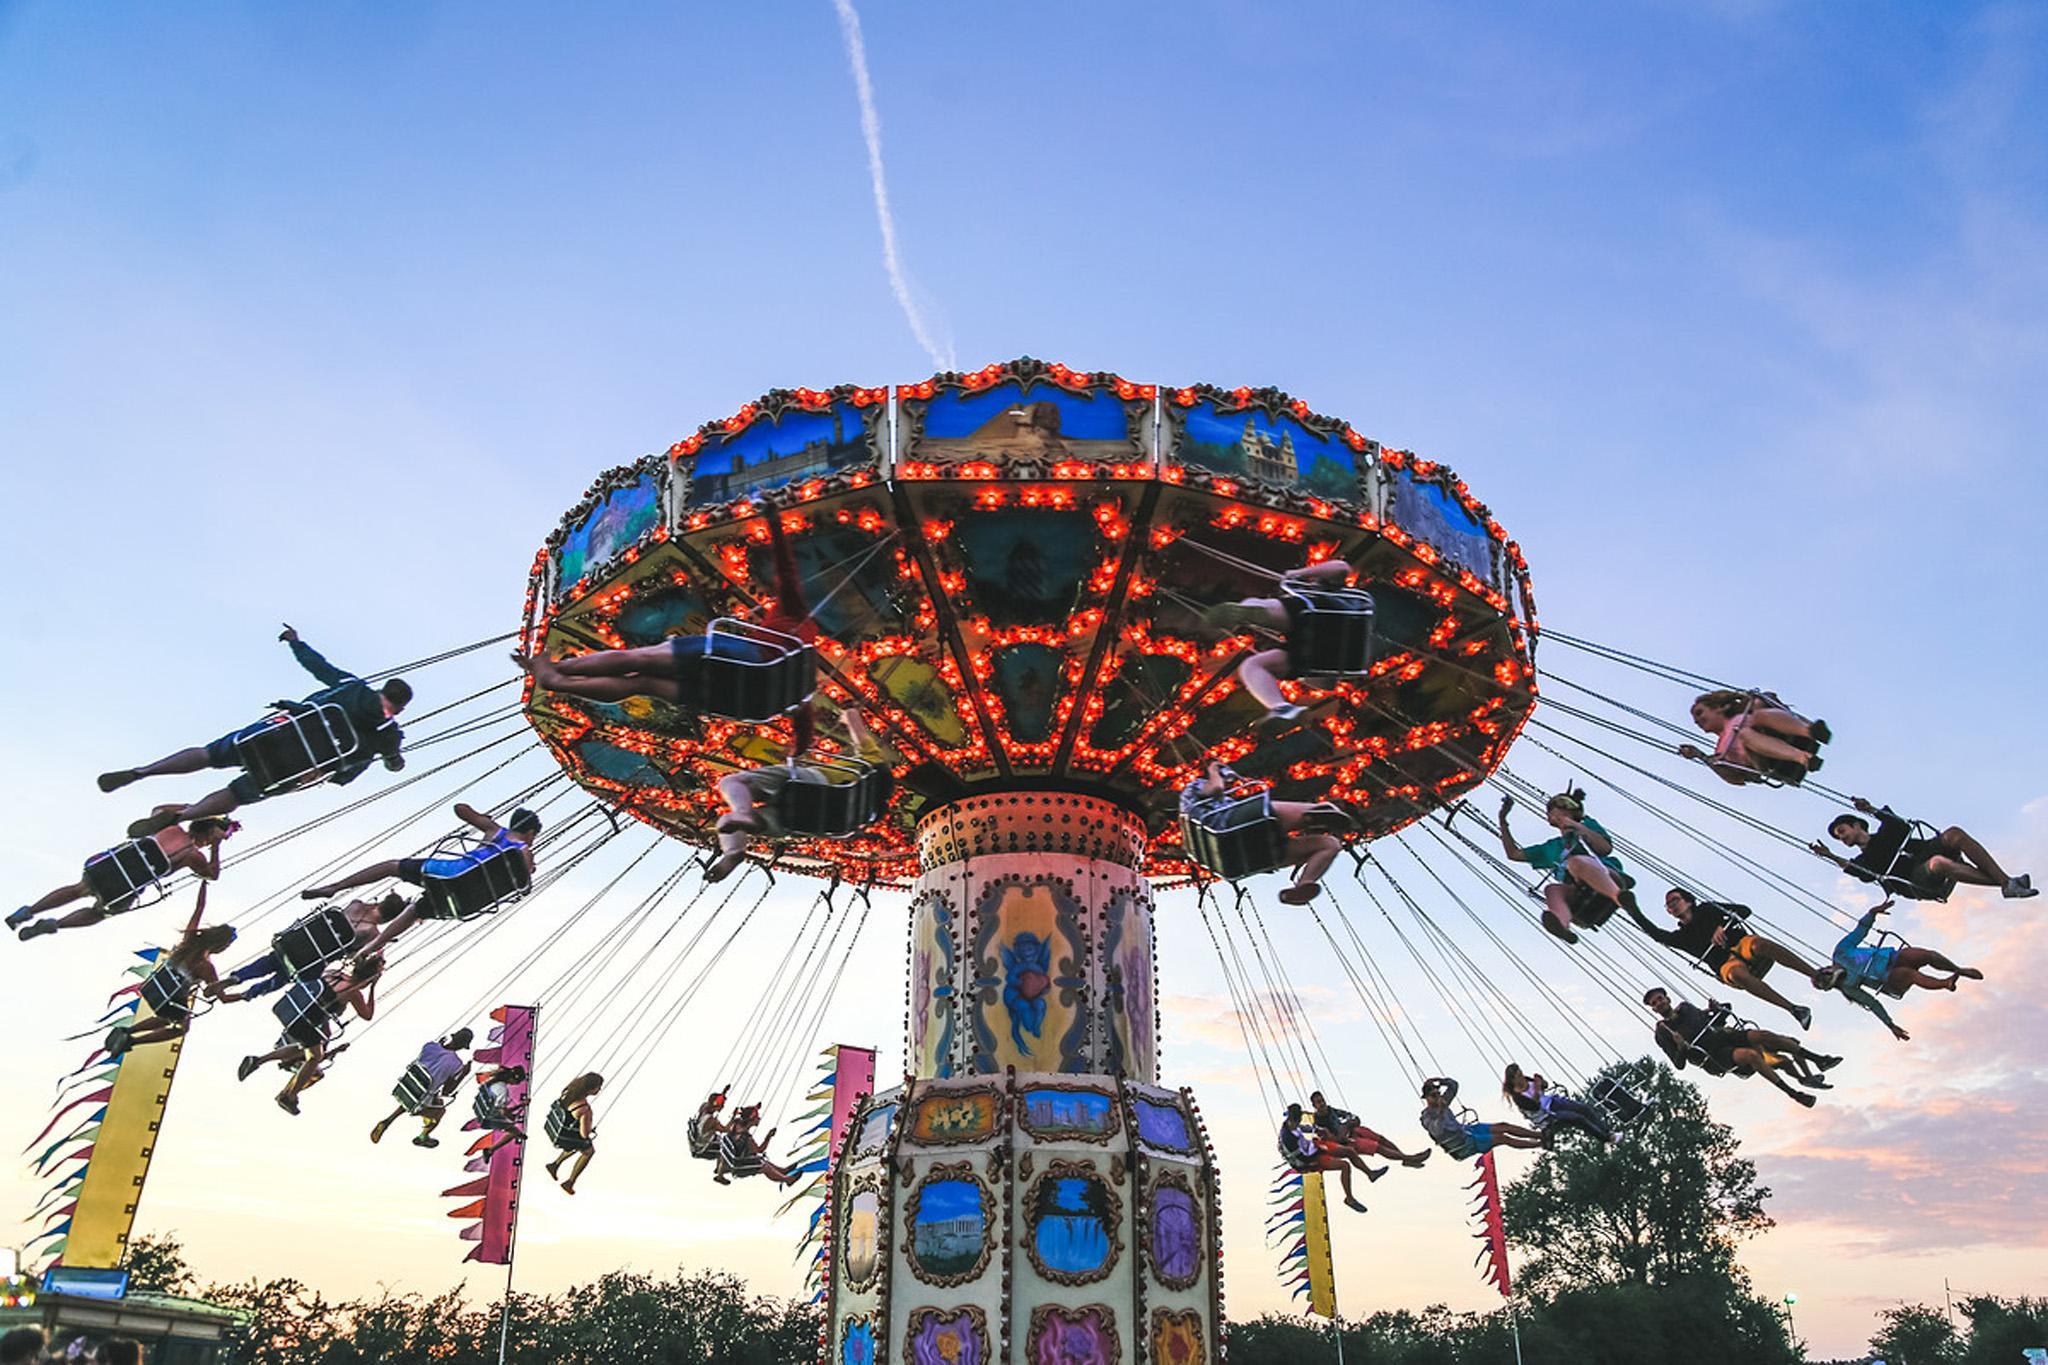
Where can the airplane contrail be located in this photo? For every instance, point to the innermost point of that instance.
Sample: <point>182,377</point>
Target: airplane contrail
<point>871,130</point>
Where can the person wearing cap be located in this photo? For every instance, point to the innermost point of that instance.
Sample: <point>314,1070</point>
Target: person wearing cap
<point>513,839</point>
<point>442,1063</point>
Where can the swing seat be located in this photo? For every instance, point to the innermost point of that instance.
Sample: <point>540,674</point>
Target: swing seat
<point>168,992</point>
<point>119,876</point>
<point>751,673</point>
<point>417,1094</point>
<point>740,1161</point>
<point>1590,909</point>
<point>1235,836</point>
<point>490,878</point>
<point>1330,632</point>
<point>848,801</point>
<point>1617,1097</point>
<point>703,1146</point>
<point>299,746</point>
<point>563,1130</point>
<point>307,1011</point>
<point>491,1115</point>
<point>313,942</point>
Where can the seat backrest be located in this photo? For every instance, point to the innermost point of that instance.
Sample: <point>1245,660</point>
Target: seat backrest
<point>754,674</point>
<point>319,938</point>
<point>488,879</point>
<point>836,809</point>
<point>298,747</point>
<point>414,1089</point>
<point>122,873</point>
<point>168,991</point>
<point>1332,632</point>
<point>1235,836</point>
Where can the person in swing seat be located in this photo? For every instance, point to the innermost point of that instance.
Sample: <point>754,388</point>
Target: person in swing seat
<point>580,1142</point>
<point>193,848</point>
<point>1716,934</point>
<point>1261,674</point>
<point>1305,1149</point>
<point>1911,867</point>
<point>1580,860</point>
<point>1344,1127</point>
<point>1539,1103</point>
<point>1464,1139</point>
<point>1708,1039</point>
<point>191,958</point>
<point>1756,737</point>
<point>495,1109</point>
<point>346,987</point>
<point>1858,971</point>
<point>741,1154</point>
<point>513,839</point>
<point>374,712</point>
<point>751,795</point>
<point>365,918</point>
<point>1312,826</point>
<point>445,1066</point>
<point>704,1127</point>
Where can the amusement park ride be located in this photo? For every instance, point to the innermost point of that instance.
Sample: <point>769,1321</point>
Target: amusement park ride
<point>1042,602</point>
<point>1008,569</point>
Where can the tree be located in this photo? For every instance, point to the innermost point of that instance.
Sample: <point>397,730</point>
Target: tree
<point>157,1265</point>
<point>1913,1334</point>
<point>1671,1201</point>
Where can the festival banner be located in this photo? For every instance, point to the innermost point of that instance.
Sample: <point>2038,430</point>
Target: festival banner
<point>1322,1276</point>
<point>848,1077</point>
<point>493,1198</point>
<point>1492,1235</point>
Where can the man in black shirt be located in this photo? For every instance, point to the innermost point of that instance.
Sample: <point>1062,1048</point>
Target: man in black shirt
<point>1915,868</point>
<point>372,711</point>
<point>1711,1040</point>
<point>1716,934</point>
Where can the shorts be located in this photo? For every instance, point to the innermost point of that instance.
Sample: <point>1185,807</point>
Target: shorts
<point>575,1142</point>
<point>1364,1141</point>
<point>1743,953</point>
<point>1478,1138</point>
<point>415,871</point>
<point>1879,969</point>
<point>688,652</point>
<point>221,753</point>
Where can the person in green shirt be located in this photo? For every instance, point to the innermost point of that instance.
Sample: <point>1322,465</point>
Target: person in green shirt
<point>1580,861</point>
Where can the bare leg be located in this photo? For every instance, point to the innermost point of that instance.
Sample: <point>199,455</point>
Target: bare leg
<point>1556,907</point>
<point>1514,1135</point>
<point>603,683</point>
<point>1928,957</point>
<point>77,919</point>
<point>1344,1182</point>
<point>1591,872</point>
<point>1260,675</point>
<point>614,663</point>
<point>1760,748</point>
<point>1313,854</point>
<point>1783,956</point>
<point>369,876</point>
<point>1759,1063</point>
<point>1743,979</point>
<point>1781,724</point>
<point>1957,840</point>
<point>63,895</point>
<point>576,1169</point>
<point>155,1031</point>
<point>163,817</point>
<point>183,761</point>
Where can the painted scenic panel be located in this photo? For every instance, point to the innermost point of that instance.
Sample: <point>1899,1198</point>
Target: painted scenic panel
<point>1009,425</point>
<point>625,515</point>
<point>1072,1220</point>
<point>1050,1112</point>
<point>1274,450</point>
<point>769,453</point>
<point>948,1228</point>
<point>1430,513</point>
<point>1162,1124</point>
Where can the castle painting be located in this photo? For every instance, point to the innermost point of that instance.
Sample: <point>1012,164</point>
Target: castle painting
<point>1277,451</point>
<point>768,454</point>
<point>625,515</point>
<point>1429,513</point>
<point>1005,425</point>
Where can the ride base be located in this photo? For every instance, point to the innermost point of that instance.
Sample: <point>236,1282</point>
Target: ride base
<point>1030,1194</point>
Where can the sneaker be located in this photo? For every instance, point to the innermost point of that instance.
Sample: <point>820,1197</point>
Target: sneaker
<point>19,917</point>
<point>426,1140</point>
<point>1555,929</point>
<point>1804,1014</point>
<point>1374,1173</point>
<point>377,1133</point>
<point>117,779</point>
<point>1817,1083</point>
<point>1300,895</point>
<point>36,929</point>
<point>117,1040</point>
<point>247,1068</point>
<point>1820,732</point>
<point>152,824</point>
<point>289,1103</point>
<point>1283,720</point>
<point>1353,1204</point>
<point>1827,1063</point>
<point>721,867</point>
<point>2016,889</point>
<point>1807,1100</point>
<point>1420,1157</point>
<point>1815,764</point>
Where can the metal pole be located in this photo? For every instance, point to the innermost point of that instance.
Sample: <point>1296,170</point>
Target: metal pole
<point>1337,1331</point>
<point>1515,1327</point>
<point>505,1313</point>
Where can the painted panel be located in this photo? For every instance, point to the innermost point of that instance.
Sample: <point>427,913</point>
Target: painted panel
<point>1028,950</point>
<point>1162,1124</point>
<point>933,994</point>
<point>1429,512</point>
<point>622,519</point>
<point>1278,451</point>
<point>769,453</point>
<point>1010,425</point>
<point>953,1116</point>
<point>1049,1112</point>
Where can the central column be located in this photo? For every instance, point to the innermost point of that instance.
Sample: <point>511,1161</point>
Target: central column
<point>1031,940</point>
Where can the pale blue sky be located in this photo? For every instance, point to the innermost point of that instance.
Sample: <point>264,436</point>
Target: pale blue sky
<point>1733,312</point>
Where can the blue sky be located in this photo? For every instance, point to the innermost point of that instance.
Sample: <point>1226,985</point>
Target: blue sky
<point>1732,311</point>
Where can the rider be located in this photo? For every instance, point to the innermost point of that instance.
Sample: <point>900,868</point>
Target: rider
<point>192,960</point>
<point>1857,969</point>
<point>704,1127</point>
<point>1311,827</point>
<point>1716,934</point>
<point>1304,1148</point>
<point>1343,1127</point>
<point>445,1067</point>
<point>1903,864</point>
<point>494,1109</point>
<point>751,794</point>
<point>1534,1097</point>
<point>194,849</point>
<point>579,1142</point>
<point>1755,737</point>
<point>344,987</point>
<point>1462,1139</point>
<point>672,671</point>
<point>512,839</point>
<point>373,710</point>
<point>1704,1037</point>
<point>1260,673</point>
<point>270,973</point>
<point>741,1154</point>
<point>1581,857</point>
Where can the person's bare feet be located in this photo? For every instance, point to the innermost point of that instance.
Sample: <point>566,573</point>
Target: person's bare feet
<point>540,668</point>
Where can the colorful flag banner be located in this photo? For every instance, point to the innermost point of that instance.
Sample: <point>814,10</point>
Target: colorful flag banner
<point>1492,1235</point>
<point>847,1078</point>
<point>492,1200</point>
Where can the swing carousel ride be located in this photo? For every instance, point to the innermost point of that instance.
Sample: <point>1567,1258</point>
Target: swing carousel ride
<point>1009,581</point>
